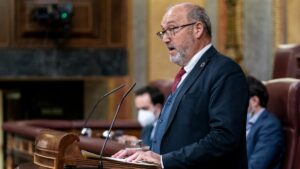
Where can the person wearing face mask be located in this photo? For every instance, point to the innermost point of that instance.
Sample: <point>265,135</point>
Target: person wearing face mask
<point>148,102</point>
<point>202,123</point>
<point>265,138</point>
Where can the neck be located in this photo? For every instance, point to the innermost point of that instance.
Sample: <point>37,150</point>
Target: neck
<point>201,44</point>
<point>204,42</point>
<point>256,110</point>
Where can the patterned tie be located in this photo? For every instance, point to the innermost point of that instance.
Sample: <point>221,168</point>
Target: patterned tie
<point>178,78</point>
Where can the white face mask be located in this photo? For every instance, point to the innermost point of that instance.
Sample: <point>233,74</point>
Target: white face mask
<point>146,117</point>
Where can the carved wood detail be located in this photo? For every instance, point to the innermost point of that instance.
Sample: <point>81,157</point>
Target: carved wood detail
<point>94,24</point>
<point>5,23</point>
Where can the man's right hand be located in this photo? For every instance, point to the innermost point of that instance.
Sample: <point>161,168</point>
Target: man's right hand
<point>138,155</point>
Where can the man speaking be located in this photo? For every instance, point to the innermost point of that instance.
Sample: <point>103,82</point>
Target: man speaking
<point>202,124</point>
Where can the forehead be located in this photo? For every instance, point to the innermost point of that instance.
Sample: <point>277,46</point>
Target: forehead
<point>143,100</point>
<point>175,15</point>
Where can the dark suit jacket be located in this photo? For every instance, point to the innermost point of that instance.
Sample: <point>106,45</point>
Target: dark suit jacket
<point>206,126</point>
<point>265,143</point>
<point>146,135</point>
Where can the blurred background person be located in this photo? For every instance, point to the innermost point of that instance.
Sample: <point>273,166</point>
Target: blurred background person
<point>265,138</point>
<point>148,102</point>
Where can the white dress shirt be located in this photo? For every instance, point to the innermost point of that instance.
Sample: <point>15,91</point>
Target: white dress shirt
<point>191,64</point>
<point>251,119</point>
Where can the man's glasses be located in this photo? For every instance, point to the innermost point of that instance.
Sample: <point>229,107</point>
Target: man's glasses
<point>172,31</point>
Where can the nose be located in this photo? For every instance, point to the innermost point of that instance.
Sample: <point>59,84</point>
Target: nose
<point>166,38</point>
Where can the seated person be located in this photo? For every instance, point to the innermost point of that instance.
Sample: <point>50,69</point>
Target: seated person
<point>265,138</point>
<point>148,102</point>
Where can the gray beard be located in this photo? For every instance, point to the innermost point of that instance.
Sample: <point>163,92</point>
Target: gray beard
<point>177,59</point>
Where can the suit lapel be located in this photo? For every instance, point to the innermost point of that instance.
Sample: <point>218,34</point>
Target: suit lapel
<point>190,79</point>
<point>257,123</point>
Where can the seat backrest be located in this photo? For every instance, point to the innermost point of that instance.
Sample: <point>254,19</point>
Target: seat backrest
<point>284,102</point>
<point>297,155</point>
<point>287,62</point>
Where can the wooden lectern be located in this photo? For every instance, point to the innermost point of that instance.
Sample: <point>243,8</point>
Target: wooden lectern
<point>60,150</point>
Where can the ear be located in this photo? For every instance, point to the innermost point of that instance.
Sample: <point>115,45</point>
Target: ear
<point>255,101</point>
<point>199,29</point>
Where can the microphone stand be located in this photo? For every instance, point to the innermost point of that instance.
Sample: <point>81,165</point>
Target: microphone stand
<point>100,166</point>
<point>99,101</point>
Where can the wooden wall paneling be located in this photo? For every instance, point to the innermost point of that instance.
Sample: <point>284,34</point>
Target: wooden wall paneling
<point>280,22</point>
<point>20,27</point>
<point>95,24</point>
<point>89,24</point>
<point>117,22</point>
<point>126,111</point>
<point>5,22</point>
<point>26,32</point>
<point>292,21</point>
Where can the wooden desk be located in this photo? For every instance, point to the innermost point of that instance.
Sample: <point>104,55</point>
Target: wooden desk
<point>29,165</point>
<point>20,137</point>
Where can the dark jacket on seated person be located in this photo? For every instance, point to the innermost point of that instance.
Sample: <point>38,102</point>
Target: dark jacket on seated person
<point>264,132</point>
<point>265,143</point>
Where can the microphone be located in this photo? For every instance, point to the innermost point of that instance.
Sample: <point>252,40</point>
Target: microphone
<point>86,131</point>
<point>112,123</point>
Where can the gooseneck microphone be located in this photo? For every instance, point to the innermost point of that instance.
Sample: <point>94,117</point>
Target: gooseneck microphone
<point>112,123</point>
<point>95,106</point>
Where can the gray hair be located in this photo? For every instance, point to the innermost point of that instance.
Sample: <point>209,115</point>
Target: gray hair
<point>198,13</point>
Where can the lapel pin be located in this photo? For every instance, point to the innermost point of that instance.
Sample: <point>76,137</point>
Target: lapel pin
<point>202,64</point>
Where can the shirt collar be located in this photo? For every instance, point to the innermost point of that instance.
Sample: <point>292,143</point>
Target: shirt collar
<point>191,64</point>
<point>254,118</point>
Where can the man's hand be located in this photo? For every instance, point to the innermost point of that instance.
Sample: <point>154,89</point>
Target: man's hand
<point>137,155</point>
